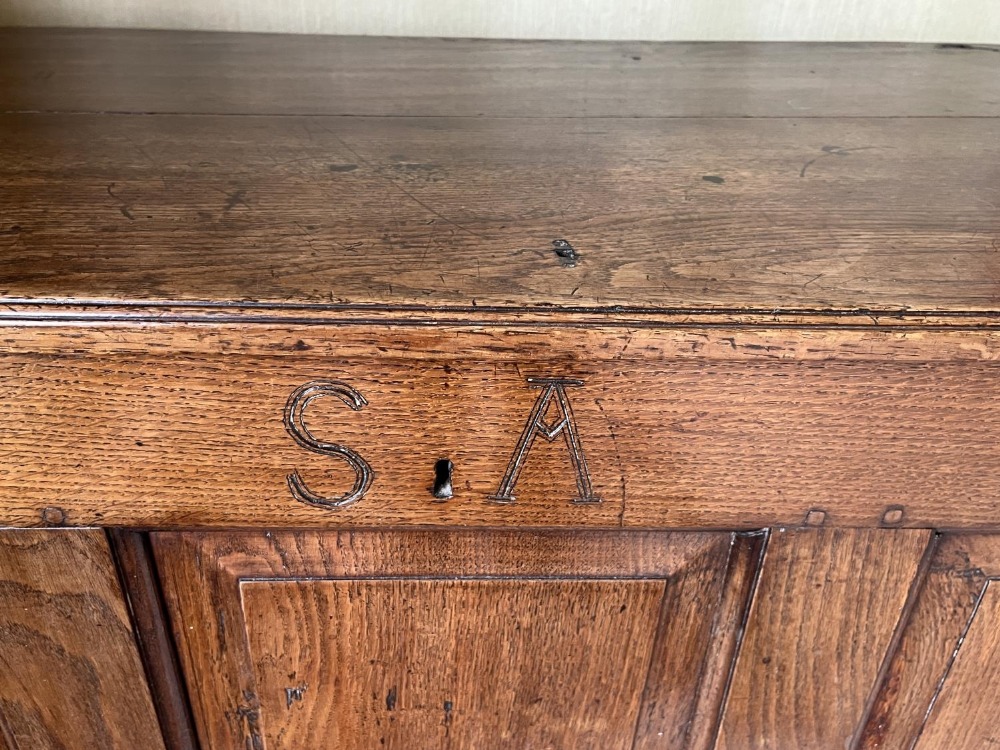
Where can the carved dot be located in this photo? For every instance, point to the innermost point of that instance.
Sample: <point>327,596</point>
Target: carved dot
<point>893,515</point>
<point>53,516</point>
<point>443,489</point>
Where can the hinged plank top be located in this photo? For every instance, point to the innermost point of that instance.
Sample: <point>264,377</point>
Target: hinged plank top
<point>462,178</point>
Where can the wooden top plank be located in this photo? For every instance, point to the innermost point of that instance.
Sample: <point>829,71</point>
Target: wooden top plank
<point>226,73</point>
<point>704,214</point>
<point>448,190</point>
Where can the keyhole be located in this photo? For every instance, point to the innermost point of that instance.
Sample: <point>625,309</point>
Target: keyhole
<point>442,479</point>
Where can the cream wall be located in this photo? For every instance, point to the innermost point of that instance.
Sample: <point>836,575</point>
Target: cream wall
<point>969,21</point>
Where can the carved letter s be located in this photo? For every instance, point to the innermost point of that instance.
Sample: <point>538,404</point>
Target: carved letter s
<point>294,423</point>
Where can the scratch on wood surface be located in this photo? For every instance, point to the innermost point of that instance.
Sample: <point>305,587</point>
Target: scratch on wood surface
<point>618,458</point>
<point>400,188</point>
<point>835,151</point>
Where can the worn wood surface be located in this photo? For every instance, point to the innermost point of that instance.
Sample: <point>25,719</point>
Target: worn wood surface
<point>420,663</point>
<point>729,628</point>
<point>772,269</point>
<point>141,589</point>
<point>824,611</point>
<point>689,214</point>
<point>499,337</point>
<point>680,669</point>
<point>169,440</point>
<point>156,71</point>
<point>436,178</point>
<point>70,675</point>
<point>940,683</point>
<point>964,714</point>
<point>257,638</point>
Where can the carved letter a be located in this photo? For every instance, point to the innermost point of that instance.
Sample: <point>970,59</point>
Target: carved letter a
<point>553,388</point>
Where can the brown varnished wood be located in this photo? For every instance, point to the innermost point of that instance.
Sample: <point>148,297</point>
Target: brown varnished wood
<point>822,617</point>
<point>157,71</point>
<point>680,669</point>
<point>941,680</point>
<point>728,629</point>
<point>766,277</point>
<point>628,604</point>
<point>204,436</point>
<point>872,324</point>
<point>141,589</point>
<point>709,215</point>
<point>70,675</point>
<point>964,712</point>
<point>528,338</point>
<point>404,663</point>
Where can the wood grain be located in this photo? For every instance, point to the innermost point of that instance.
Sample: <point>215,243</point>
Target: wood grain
<point>821,620</point>
<point>204,437</point>
<point>505,664</point>
<point>953,605</point>
<point>141,589</point>
<point>680,667</point>
<point>964,712</point>
<point>771,272</point>
<point>511,337</point>
<point>745,560</point>
<point>454,584</point>
<point>70,675</point>
<point>898,216</point>
<point>157,71</point>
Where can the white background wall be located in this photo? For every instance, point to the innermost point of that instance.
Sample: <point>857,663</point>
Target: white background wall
<point>969,21</point>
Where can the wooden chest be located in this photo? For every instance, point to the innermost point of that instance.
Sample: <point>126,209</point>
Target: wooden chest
<point>362,393</point>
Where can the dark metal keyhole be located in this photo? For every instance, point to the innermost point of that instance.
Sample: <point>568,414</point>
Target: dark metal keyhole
<point>442,479</point>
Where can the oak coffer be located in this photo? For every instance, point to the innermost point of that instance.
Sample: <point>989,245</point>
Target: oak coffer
<point>368,393</point>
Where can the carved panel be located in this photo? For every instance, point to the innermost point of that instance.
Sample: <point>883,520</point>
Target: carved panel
<point>940,687</point>
<point>433,639</point>
<point>668,443</point>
